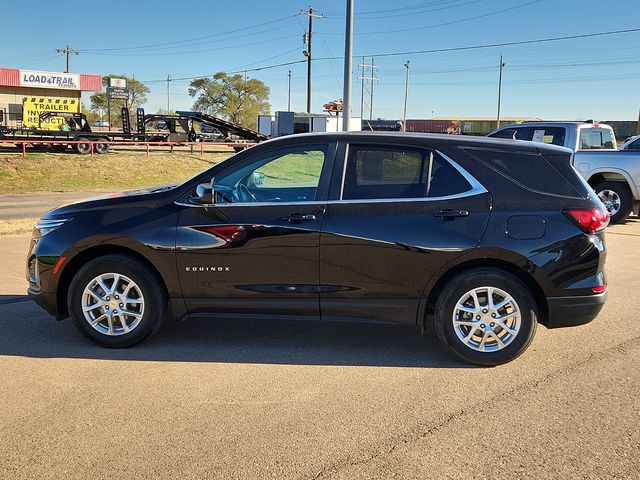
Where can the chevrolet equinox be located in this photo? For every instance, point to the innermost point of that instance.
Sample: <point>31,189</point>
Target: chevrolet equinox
<point>483,238</point>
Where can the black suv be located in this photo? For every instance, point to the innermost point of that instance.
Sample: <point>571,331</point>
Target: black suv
<point>482,237</point>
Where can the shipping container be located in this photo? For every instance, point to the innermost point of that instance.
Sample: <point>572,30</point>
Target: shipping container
<point>433,126</point>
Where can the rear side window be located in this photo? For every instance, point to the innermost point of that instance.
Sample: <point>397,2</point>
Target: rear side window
<point>530,171</point>
<point>387,173</point>
<point>596,139</point>
<point>552,135</point>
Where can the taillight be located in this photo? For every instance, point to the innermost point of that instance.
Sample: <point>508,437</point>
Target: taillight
<point>591,220</point>
<point>599,289</point>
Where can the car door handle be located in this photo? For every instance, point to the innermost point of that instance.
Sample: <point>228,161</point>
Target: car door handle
<point>451,214</point>
<point>300,217</point>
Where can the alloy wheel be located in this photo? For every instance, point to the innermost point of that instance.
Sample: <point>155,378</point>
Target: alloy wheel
<point>486,319</point>
<point>113,304</point>
<point>611,201</point>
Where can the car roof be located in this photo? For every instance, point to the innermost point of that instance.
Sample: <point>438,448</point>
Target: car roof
<point>555,124</point>
<point>414,137</point>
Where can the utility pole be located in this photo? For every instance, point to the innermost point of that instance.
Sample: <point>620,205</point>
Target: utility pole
<point>638,126</point>
<point>68,50</point>
<point>362,91</point>
<point>348,64</point>
<point>373,79</point>
<point>502,64</point>
<point>307,53</point>
<point>406,94</point>
<point>168,94</point>
<point>289,100</point>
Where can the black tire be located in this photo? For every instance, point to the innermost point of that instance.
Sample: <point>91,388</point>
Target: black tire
<point>101,148</point>
<point>621,189</point>
<point>153,295</point>
<point>82,148</point>
<point>485,277</point>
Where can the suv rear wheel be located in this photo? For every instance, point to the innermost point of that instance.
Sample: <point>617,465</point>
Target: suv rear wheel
<point>616,198</point>
<point>486,316</point>
<point>116,301</point>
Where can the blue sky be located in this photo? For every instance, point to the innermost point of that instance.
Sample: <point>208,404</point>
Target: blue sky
<point>573,79</point>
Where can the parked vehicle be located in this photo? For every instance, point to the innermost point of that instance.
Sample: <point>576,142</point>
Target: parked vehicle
<point>484,238</point>
<point>101,123</point>
<point>632,143</point>
<point>613,174</point>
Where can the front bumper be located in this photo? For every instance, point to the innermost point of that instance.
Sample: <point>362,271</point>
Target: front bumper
<point>572,311</point>
<point>46,300</point>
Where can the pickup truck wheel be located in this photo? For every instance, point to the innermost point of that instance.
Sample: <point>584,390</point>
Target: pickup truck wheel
<point>486,316</point>
<point>82,148</point>
<point>616,198</point>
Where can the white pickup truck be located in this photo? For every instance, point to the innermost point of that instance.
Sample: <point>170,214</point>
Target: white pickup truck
<point>613,174</point>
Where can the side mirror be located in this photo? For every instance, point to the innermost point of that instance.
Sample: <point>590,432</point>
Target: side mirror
<point>205,194</point>
<point>258,178</point>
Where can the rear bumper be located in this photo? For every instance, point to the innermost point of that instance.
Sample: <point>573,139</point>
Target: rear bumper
<point>572,311</point>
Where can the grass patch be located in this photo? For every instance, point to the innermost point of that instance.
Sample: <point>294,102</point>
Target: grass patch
<point>51,172</point>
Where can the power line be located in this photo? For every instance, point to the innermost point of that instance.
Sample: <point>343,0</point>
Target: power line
<point>194,39</point>
<point>434,50</point>
<point>452,22</point>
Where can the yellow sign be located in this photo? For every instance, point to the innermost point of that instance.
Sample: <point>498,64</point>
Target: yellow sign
<point>32,107</point>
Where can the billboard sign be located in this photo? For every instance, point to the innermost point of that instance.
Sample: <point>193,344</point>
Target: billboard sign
<point>37,79</point>
<point>116,93</point>
<point>32,107</point>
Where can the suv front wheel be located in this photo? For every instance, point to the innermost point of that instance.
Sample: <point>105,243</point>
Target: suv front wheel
<point>486,316</point>
<point>116,301</point>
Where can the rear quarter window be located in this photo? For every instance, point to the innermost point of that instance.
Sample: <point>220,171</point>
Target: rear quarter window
<point>528,170</point>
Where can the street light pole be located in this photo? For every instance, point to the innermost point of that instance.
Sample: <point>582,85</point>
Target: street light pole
<point>348,64</point>
<point>406,94</point>
<point>499,92</point>
<point>289,97</point>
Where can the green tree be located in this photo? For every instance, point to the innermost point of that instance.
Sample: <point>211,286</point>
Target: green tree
<point>231,97</point>
<point>137,98</point>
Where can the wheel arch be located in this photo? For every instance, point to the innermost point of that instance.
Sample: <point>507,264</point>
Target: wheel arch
<point>600,176</point>
<point>91,253</point>
<point>427,305</point>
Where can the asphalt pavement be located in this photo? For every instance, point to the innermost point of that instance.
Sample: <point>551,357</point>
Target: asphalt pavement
<point>252,400</point>
<point>32,205</point>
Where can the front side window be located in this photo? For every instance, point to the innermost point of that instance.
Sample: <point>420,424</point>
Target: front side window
<point>387,173</point>
<point>291,175</point>
<point>596,139</point>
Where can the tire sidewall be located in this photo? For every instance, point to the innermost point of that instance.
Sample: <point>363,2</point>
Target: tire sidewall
<point>623,192</point>
<point>464,283</point>
<point>153,294</point>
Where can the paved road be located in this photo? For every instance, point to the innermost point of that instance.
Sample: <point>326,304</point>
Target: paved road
<point>32,205</point>
<point>254,400</point>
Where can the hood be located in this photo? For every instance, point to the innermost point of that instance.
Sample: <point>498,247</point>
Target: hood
<point>109,200</point>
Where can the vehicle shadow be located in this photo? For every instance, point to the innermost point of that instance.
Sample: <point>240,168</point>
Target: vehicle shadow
<point>25,330</point>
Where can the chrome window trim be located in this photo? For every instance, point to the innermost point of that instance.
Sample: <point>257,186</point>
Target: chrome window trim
<point>476,189</point>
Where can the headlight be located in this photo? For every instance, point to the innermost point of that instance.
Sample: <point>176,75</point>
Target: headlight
<point>45,225</point>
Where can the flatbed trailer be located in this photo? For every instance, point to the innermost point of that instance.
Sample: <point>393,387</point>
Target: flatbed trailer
<point>80,132</point>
